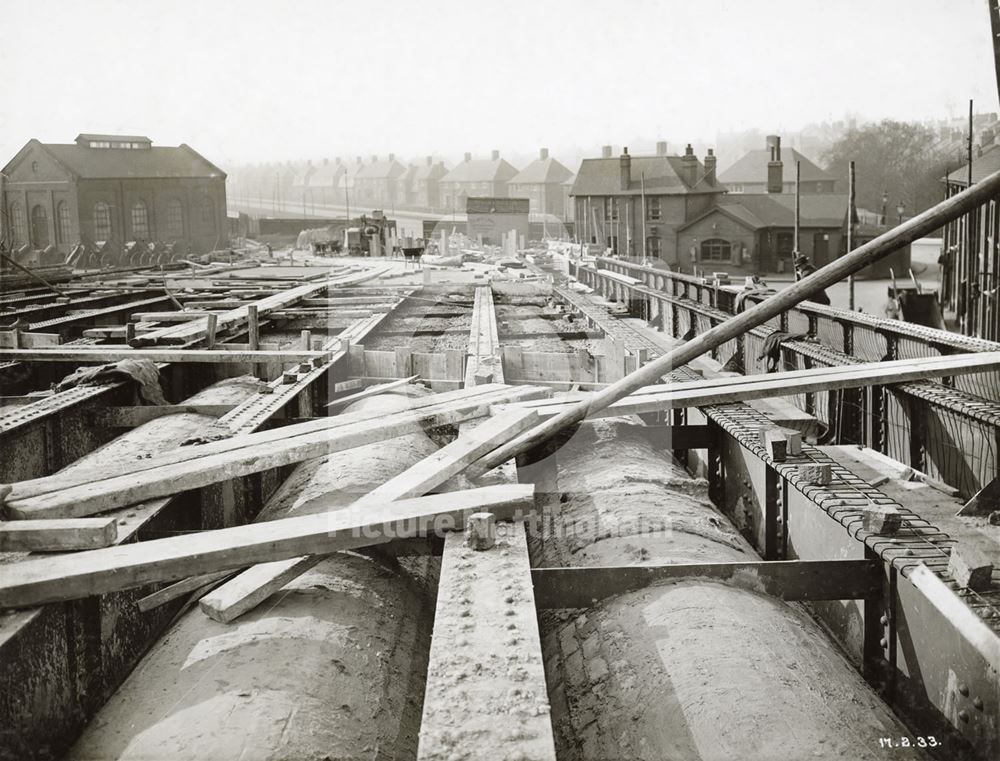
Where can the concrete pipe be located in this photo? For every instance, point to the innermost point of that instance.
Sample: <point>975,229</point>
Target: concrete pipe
<point>692,669</point>
<point>333,666</point>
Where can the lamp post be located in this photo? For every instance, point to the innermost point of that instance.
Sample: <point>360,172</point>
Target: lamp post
<point>900,210</point>
<point>885,203</point>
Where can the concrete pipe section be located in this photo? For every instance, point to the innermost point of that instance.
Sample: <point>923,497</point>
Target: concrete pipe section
<point>692,669</point>
<point>333,666</point>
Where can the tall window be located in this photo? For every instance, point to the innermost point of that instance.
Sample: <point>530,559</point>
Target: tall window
<point>175,219</point>
<point>18,231</point>
<point>653,208</point>
<point>716,250</point>
<point>102,221</point>
<point>610,208</point>
<point>140,220</point>
<point>39,226</point>
<point>63,224</point>
<point>208,214</point>
<point>653,246</point>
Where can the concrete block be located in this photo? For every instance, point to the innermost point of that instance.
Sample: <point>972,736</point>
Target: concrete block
<point>882,519</point>
<point>818,474</point>
<point>480,531</point>
<point>775,443</point>
<point>971,568</point>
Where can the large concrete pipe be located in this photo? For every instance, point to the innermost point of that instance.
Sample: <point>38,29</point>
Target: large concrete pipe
<point>692,669</point>
<point>59,662</point>
<point>333,666</point>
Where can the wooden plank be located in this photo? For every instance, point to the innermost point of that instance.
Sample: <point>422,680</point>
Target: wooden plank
<point>104,354</point>
<point>206,464</point>
<point>26,340</point>
<point>372,391</point>
<point>71,576</point>
<point>703,393</point>
<point>805,580</point>
<point>256,584</point>
<point>179,589</point>
<point>57,535</point>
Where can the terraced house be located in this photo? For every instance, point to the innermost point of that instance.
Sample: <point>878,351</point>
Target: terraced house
<point>112,188</point>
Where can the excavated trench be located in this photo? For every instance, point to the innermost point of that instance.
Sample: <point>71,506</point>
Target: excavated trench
<point>334,666</point>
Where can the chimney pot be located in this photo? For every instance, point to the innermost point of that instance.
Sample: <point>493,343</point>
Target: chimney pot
<point>689,166</point>
<point>661,148</point>
<point>605,151</point>
<point>710,161</point>
<point>468,157</point>
<point>543,154</point>
<point>495,155</point>
<point>689,151</point>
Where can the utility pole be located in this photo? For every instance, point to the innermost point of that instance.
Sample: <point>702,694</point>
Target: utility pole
<point>850,231</point>
<point>642,194</point>
<point>796,230</point>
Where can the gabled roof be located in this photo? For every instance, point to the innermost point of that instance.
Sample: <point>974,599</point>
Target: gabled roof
<point>752,167</point>
<point>433,171</point>
<point>327,174</point>
<point>542,171</point>
<point>658,175</point>
<point>302,175</point>
<point>982,167</point>
<point>481,170</point>
<point>116,163</point>
<point>760,210</point>
<point>381,170</point>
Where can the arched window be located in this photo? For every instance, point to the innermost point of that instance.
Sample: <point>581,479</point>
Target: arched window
<point>102,221</point>
<point>140,220</point>
<point>716,250</point>
<point>63,223</point>
<point>175,219</point>
<point>18,231</point>
<point>208,215</point>
<point>39,226</point>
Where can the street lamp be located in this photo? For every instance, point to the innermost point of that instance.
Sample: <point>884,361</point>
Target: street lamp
<point>885,202</point>
<point>900,210</point>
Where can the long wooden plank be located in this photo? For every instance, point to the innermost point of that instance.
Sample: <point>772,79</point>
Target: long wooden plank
<point>372,391</point>
<point>107,494</point>
<point>256,584</point>
<point>105,354</point>
<point>805,580</point>
<point>433,407</point>
<point>746,388</point>
<point>68,577</point>
<point>179,589</point>
<point>58,535</point>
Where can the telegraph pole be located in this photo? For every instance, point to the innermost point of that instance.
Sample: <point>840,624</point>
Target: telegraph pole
<point>850,231</point>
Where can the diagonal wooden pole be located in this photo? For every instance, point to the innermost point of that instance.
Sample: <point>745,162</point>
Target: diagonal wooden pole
<point>834,272</point>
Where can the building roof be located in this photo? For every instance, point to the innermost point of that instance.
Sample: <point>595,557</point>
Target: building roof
<point>760,210</point>
<point>87,137</point>
<point>389,169</point>
<point>327,174</point>
<point>302,175</point>
<point>752,167</point>
<point>118,163</point>
<point>982,166</point>
<point>658,175</point>
<point>542,171</point>
<point>481,170</point>
<point>433,171</point>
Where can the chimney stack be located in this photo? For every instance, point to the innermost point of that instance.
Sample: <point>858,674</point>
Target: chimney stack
<point>625,163</point>
<point>543,154</point>
<point>710,167</point>
<point>661,148</point>
<point>689,166</point>
<point>468,157</point>
<point>775,169</point>
<point>494,155</point>
<point>605,151</point>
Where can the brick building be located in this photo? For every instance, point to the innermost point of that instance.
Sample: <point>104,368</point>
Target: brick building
<point>635,204</point>
<point>112,188</point>
<point>541,182</point>
<point>427,184</point>
<point>485,178</point>
<point>376,184</point>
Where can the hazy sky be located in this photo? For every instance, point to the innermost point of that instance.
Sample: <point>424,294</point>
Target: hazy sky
<point>259,79</point>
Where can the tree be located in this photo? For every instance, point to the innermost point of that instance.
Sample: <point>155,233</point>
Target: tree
<point>900,159</point>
